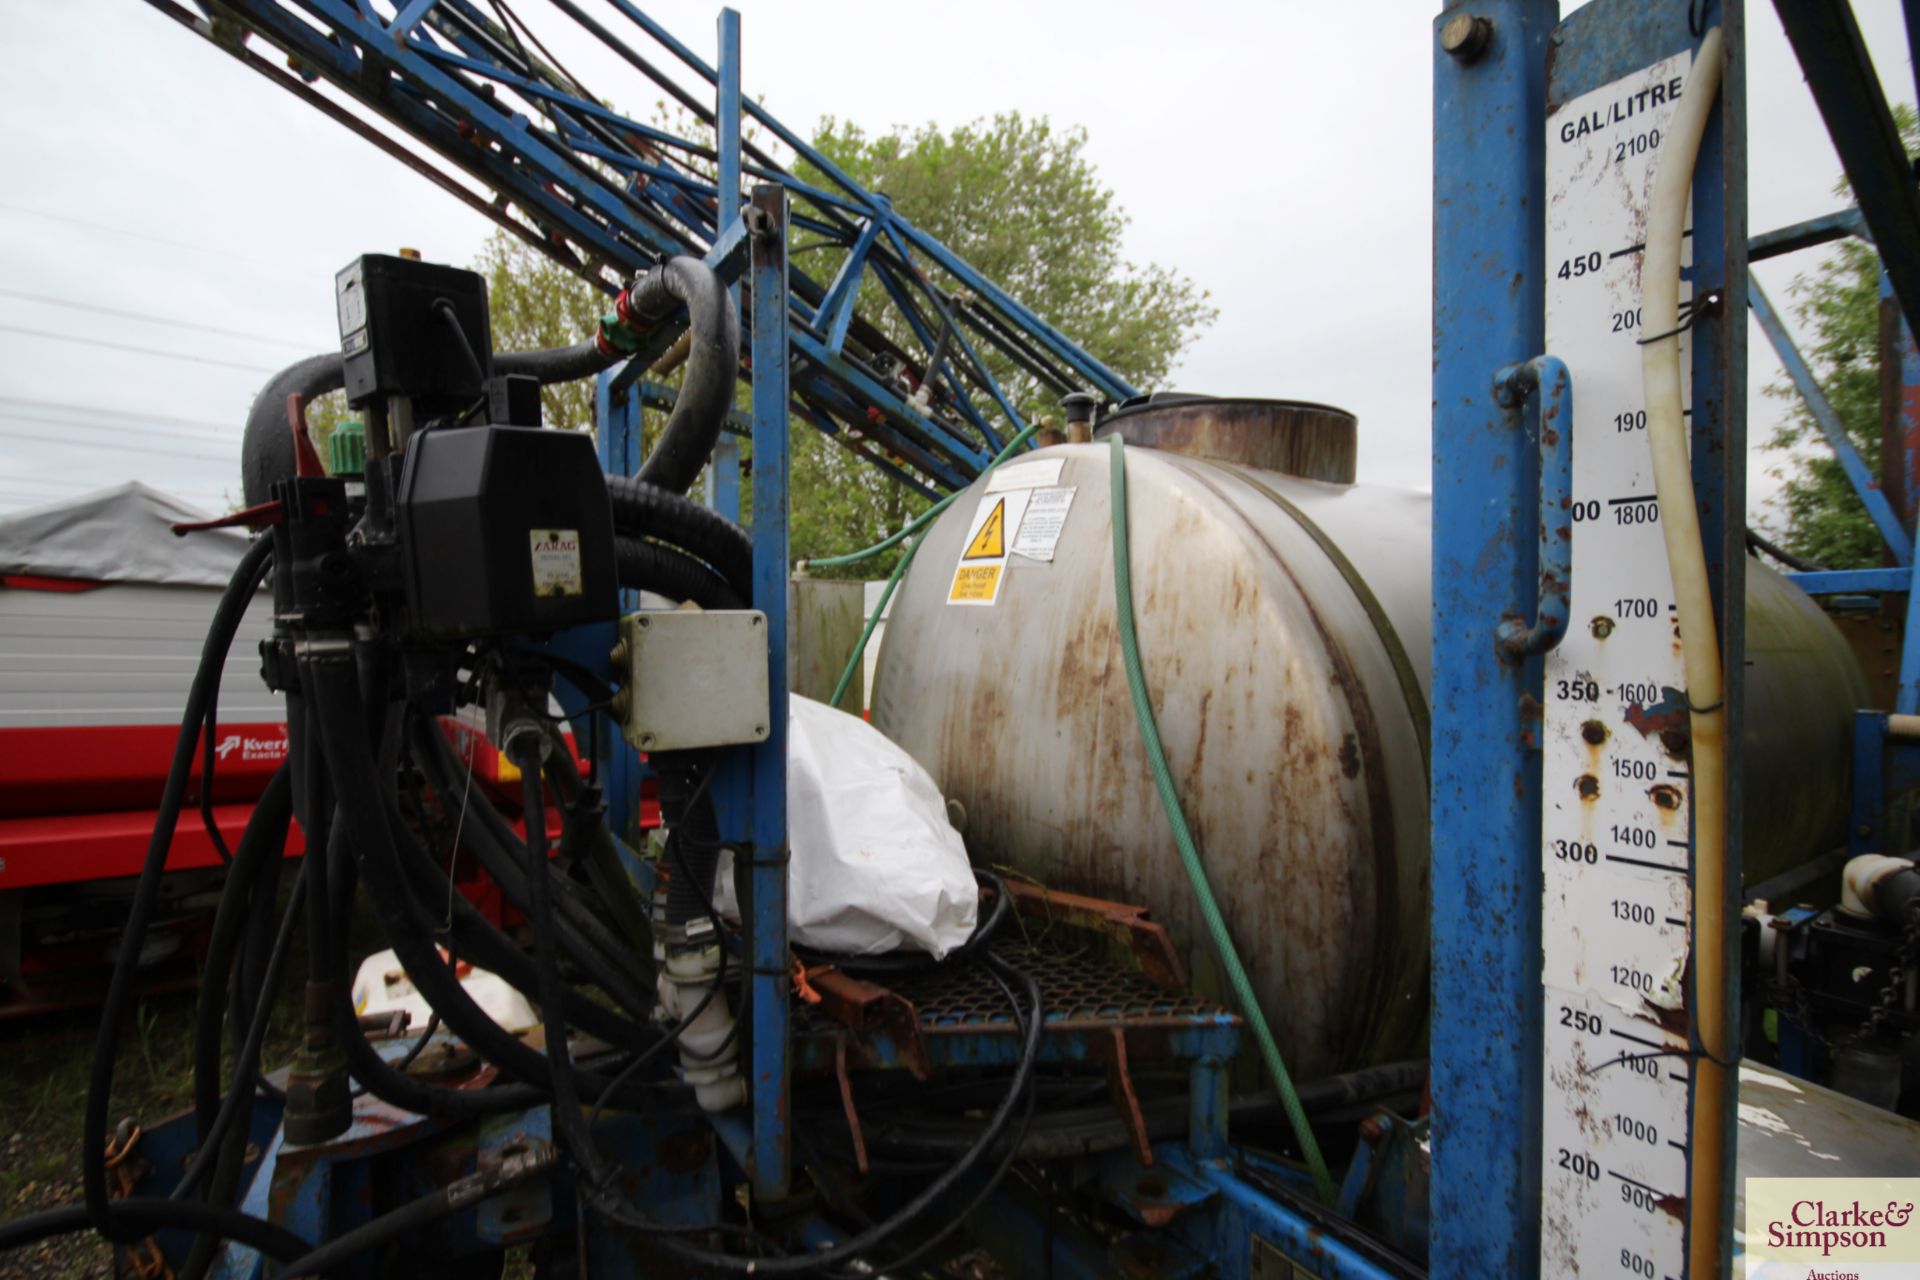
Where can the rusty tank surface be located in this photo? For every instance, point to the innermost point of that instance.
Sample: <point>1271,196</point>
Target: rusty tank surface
<point>1283,623</point>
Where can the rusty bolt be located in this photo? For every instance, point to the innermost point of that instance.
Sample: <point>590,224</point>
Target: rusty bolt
<point>1372,1131</point>
<point>1676,742</point>
<point>1593,733</point>
<point>1602,627</point>
<point>1466,36</point>
<point>1667,797</point>
<point>1589,787</point>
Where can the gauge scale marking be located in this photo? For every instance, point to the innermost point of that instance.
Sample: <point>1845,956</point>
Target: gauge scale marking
<point>1615,794</point>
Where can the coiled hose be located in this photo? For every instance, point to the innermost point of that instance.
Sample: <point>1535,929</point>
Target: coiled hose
<point>713,365</point>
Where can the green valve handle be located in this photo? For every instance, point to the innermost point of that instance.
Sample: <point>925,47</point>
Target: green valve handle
<point>347,449</point>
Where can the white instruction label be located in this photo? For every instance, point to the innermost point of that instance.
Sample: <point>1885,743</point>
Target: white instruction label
<point>1615,792</point>
<point>1025,475</point>
<point>983,560</point>
<point>1043,524</point>
<point>556,562</point>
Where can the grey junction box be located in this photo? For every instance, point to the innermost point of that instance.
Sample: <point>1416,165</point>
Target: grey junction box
<point>694,678</point>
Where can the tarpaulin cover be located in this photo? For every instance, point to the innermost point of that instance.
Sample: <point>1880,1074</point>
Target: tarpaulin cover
<point>875,865</point>
<point>120,534</point>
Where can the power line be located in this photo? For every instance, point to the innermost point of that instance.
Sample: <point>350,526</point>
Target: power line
<point>281,267</point>
<point>104,411</point>
<point>143,432</point>
<point>168,321</point>
<point>123,346</point>
<point>158,450</point>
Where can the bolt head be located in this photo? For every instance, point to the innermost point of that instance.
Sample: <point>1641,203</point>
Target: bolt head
<point>1466,36</point>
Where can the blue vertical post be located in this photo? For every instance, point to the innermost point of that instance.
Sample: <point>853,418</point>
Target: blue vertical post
<point>767,943</point>
<point>1901,423</point>
<point>616,765</point>
<point>723,494</point>
<point>1488,279</point>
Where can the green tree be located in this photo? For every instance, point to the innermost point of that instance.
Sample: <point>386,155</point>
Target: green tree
<point>1840,306</point>
<point>1021,203</point>
<point>1014,197</point>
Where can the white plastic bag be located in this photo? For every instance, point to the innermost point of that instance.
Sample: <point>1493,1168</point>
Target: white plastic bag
<point>875,865</point>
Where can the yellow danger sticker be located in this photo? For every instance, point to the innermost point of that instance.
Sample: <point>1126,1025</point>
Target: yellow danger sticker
<point>990,542</point>
<point>982,568</point>
<point>976,584</point>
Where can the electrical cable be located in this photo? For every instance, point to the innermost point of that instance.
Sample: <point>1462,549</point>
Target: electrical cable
<point>859,1245</point>
<point>246,1057</point>
<point>335,695</point>
<point>444,309</point>
<point>226,622</point>
<point>144,1215</point>
<point>265,837</point>
<point>1229,957</point>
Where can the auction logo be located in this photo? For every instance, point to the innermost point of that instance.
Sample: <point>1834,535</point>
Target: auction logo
<point>1832,1228</point>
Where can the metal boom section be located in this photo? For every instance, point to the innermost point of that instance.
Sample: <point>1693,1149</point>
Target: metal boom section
<point>915,381</point>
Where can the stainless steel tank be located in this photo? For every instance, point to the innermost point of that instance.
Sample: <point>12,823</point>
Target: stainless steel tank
<point>1283,626</point>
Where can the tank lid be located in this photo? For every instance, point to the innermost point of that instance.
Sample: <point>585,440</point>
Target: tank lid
<point>1293,437</point>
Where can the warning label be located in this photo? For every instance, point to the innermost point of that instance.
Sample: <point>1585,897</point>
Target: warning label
<point>983,561</point>
<point>976,584</point>
<point>990,543</point>
<point>1045,521</point>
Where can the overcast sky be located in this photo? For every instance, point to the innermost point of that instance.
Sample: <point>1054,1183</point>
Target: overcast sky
<point>1277,153</point>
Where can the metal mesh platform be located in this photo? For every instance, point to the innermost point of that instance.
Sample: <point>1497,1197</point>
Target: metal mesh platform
<point>1072,990</point>
<point>958,1015</point>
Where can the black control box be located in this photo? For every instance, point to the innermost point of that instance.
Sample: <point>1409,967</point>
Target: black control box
<point>505,530</point>
<point>398,335</point>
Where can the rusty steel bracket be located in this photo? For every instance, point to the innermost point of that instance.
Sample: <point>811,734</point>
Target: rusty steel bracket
<point>1145,942</point>
<point>866,1007</point>
<point>846,1102</point>
<point>1125,1100</point>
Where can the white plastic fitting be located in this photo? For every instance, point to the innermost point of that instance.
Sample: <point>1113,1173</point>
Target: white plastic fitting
<point>709,1055</point>
<point>1857,881</point>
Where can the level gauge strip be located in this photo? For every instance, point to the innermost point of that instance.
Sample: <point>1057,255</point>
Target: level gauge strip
<point>1616,797</point>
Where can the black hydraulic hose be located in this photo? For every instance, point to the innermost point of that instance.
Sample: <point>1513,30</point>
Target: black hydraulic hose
<point>1013,1145</point>
<point>649,511</point>
<point>652,566</point>
<point>266,450</point>
<point>713,365</point>
<point>557,364</point>
<point>488,947</point>
<point>246,1056</point>
<point>589,941</point>
<point>415,1214</point>
<point>334,698</point>
<point>213,654</point>
<point>384,1080</point>
<point>569,1126</point>
<point>265,836</point>
<point>143,1215</point>
<point>933,1193</point>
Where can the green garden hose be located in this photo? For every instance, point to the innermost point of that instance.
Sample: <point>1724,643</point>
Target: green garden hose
<point>1182,837</point>
<point>919,522</point>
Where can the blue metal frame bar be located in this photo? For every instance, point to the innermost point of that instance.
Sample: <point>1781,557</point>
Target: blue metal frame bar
<point>1845,582</point>
<point>608,196</point>
<point>767,933</point>
<point>1866,486</point>
<point>1807,235</point>
<point>1489,126</point>
<point>1841,76</point>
